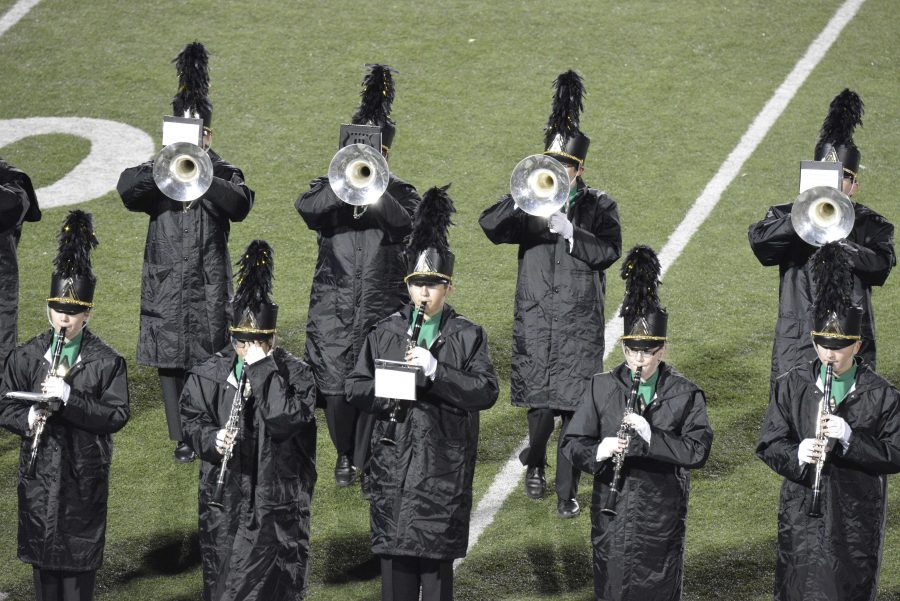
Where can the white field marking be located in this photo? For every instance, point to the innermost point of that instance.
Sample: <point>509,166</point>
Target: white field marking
<point>12,16</point>
<point>508,478</point>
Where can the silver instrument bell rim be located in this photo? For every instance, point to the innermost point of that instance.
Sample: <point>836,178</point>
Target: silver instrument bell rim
<point>815,234</point>
<point>174,187</point>
<point>529,202</point>
<point>338,180</point>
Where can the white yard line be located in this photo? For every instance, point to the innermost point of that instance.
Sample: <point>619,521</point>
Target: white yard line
<point>508,479</point>
<point>13,15</point>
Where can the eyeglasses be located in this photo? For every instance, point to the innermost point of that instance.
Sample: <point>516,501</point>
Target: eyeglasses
<point>641,353</point>
<point>239,343</point>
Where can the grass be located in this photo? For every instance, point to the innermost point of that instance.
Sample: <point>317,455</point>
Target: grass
<point>671,88</point>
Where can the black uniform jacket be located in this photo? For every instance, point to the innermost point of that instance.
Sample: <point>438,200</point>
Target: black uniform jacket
<point>638,554</point>
<point>186,279</point>
<point>17,205</point>
<point>774,242</point>
<point>62,509</point>
<point>835,557</point>
<point>558,329</point>
<point>359,273</point>
<point>257,546</point>
<point>421,489</point>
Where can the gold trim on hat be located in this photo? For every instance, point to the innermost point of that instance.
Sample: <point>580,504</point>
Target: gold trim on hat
<point>565,154</point>
<point>835,335</point>
<point>70,301</point>
<point>251,330</point>
<point>430,274</point>
<point>642,337</point>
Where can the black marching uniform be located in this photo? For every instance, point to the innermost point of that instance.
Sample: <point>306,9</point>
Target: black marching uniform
<point>559,324</point>
<point>186,277</point>
<point>18,204</point>
<point>256,547</point>
<point>359,273</point>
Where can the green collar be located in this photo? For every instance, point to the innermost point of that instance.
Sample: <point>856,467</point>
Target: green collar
<point>840,385</point>
<point>70,349</point>
<point>647,388</point>
<point>238,368</point>
<point>431,328</point>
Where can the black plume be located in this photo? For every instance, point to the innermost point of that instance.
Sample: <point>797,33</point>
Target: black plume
<point>844,114</point>
<point>431,222</point>
<point>565,116</point>
<point>255,273</point>
<point>377,97</point>
<point>192,65</point>
<point>76,240</point>
<point>832,272</point>
<point>640,271</point>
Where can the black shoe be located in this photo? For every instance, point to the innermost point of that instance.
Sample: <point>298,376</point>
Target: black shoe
<point>344,472</point>
<point>567,508</point>
<point>183,453</point>
<point>535,484</point>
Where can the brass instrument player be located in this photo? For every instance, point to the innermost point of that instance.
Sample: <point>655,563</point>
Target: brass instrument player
<point>831,552</point>
<point>638,534</point>
<point>63,503</point>
<point>254,538</point>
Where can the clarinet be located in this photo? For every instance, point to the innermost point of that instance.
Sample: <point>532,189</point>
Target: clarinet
<point>399,408</point>
<point>233,425</point>
<point>41,420</point>
<point>815,508</point>
<point>619,458</point>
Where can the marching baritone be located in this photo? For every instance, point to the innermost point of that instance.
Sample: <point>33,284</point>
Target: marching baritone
<point>359,270</point>
<point>423,451</point>
<point>67,428</point>
<point>640,430</point>
<point>558,325</point>
<point>833,451</point>
<point>248,411</point>
<point>775,242</point>
<point>18,204</point>
<point>186,278</point>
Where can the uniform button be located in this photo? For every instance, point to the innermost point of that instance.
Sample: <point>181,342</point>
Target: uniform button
<point>359,249</point>
<point>186,231</point>
<point>556,319</point>
<point>358,275</point>
<point>185,258</point>
<point>557,261</point>
<point>556,289</point>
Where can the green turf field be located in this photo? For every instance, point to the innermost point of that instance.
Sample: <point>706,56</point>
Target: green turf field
<point>672,87</point>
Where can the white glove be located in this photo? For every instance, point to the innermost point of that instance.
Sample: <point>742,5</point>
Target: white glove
<point>423,358</point>
<point>56,388</point>
<point>836,427</point>
<point>33,412</point>
<point>640,426</point>
<point>608,447</point>
<point>560,224</point>
<point>809,451</point>
<point>254,353</point>
<point>223,439</point>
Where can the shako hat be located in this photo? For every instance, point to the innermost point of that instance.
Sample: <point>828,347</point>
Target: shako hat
<point>254,315</point>
<point>72,284</point>
<point>192,98</point>
<point>377,96</point>
<point>645,321</point>
<point>835,143</point>
<point>428,255</point>
<point>563,140</point>
<point>837,322</point>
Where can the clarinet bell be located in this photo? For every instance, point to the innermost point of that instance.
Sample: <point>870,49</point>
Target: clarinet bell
<point>216,500</point>
<point>815,506</point>
<point>389,437</point>
<point>610,508</point>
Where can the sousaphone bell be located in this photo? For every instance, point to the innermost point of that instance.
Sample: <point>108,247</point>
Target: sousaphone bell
<point>183,171</point>
<point>822,214</point>
<point>358,174</point>
<point>539,185</point>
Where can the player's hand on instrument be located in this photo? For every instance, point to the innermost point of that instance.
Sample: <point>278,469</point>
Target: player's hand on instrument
<point>609,446</point>
<point>56,388</point>
<point>254,353</point>
<point>35,412</point>
<point>835,427</point>
<point>639,425</point>
<point>224,437</point>
<point>560,224</point>
<point>809,451</point>
<point>423,358</point>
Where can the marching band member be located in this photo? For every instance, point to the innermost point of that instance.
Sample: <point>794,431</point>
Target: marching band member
<point>638,532</point>
<point>17,205</point>
<point>834,457</point>
<point>65,454</point>
<point>186,279</point>
<point>423,460</point>
<point>248,411</point>
<point>774,242</point>
<point>558,329</point>
<point>358,278</point>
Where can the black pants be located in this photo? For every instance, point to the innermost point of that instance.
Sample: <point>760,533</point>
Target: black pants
<point>402,578</point>
<point>171,381</point>
<point>341,417</point>
<point>52,585</point>
<point>540,427</point>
